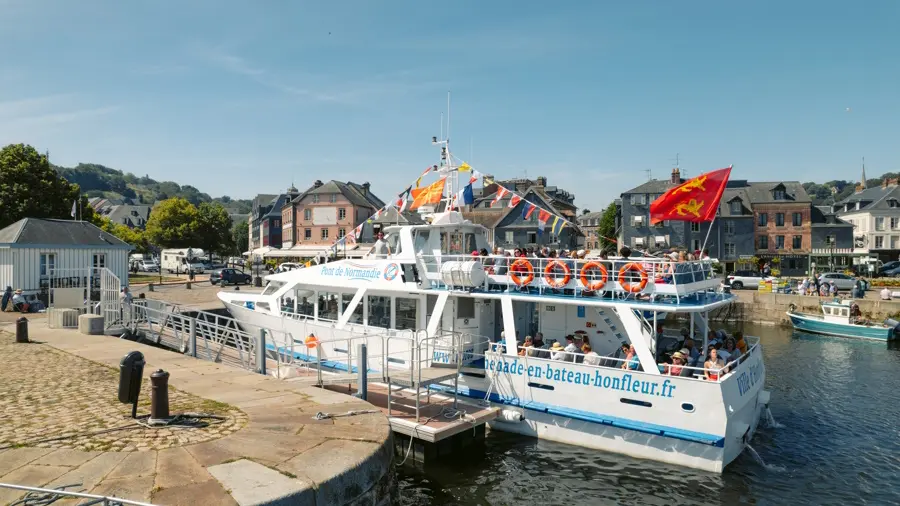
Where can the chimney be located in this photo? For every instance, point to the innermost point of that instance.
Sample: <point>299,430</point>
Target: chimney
<point>366,187</point>
<point>541,181</point>
<point>676,176</point>
<point>317,184</point>
<point>489,185</point>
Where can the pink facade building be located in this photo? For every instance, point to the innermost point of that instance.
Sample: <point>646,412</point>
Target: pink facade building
<point>326,212</point>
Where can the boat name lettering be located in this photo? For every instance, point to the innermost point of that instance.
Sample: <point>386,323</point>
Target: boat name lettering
<point>444,357</point>
<point>366,273</point>
<point>748,378</point>
<point>599,378</point>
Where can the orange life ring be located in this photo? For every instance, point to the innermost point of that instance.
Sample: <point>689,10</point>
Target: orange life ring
<point>552,280</point>
<point>311,341</point>
<point>596,285</point>
<point>519,266</point>
<point>629,286</point>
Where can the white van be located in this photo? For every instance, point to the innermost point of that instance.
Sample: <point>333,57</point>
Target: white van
<point>180,259</point>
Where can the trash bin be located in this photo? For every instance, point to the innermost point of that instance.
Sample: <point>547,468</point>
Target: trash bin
<point>22,330</point>
<point>131,371</point>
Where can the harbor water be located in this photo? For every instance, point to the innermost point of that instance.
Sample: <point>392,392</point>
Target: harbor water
<point>833,438</point>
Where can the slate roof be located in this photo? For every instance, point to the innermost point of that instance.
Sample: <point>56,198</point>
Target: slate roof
<point>117,213</point>
<point>355,193</point>
<point>762,192</point>
<point>871,198</point>
<point>652,186</point>
<point>36,231</point>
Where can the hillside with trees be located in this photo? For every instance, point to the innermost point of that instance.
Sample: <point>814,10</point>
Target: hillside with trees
<point>99,181</point>
<point>837,190</point>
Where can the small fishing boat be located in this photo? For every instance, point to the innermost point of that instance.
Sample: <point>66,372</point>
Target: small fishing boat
<point>842,318</point>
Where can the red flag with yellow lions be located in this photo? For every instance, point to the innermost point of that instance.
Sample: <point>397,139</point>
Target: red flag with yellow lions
<point>696,200</point>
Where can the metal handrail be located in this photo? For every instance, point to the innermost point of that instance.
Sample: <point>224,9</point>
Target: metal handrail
<point>659,271</point>
<point>98,499</point>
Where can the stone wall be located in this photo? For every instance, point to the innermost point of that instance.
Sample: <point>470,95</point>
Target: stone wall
<point>770,308</point>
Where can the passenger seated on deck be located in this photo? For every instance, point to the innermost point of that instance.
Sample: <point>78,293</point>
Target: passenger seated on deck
<point>557,352</point>
<point>527,347</point>
<point>590,356</point>
<point>677,365</point>
<point>571,348</point>
<point>713,366</point>
<point>631,360</point>
<point>739,342</point>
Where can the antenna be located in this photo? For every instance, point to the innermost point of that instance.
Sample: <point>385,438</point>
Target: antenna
<point>648,174</point>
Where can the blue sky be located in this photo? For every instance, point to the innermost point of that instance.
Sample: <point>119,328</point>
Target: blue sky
<point>239,98</point>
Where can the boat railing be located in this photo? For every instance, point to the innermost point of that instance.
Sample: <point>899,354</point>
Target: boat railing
<point>623,278</point>
<point>694,373</point>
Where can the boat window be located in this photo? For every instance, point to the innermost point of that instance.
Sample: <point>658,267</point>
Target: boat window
<point>262,305</point>
<point>273,287</point>
<point>827,310</point>
<point>407,313</point>
<point>451,243</point>
<point>470,243</point>
<point>465,307</point>
<point>304,305</point>
<point>393,241</point>
<point>379,311</point>
<point>328,306</point>
<point>357,316</point>
<point>420,241</point>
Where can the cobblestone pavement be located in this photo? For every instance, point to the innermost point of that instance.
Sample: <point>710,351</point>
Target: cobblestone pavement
<point>51,399</point>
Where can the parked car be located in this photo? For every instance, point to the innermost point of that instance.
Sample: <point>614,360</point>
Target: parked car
<point>839,279</point>
<point>148,266</point>
<point>198,267</point>
<point>229,277</point>
<point>744,279</point>
<point>288,266</point>
<point>889,266</point>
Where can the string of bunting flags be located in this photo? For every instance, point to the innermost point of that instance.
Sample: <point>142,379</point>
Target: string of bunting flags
<point>433,193</point>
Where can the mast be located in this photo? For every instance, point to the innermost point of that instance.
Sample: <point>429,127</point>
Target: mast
<point>446,167</point>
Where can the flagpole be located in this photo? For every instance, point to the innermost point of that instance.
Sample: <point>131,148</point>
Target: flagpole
<point>707,234</point>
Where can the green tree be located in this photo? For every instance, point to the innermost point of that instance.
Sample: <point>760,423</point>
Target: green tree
<point>173,224</point>
<point>240,233</point>
<point>134,237</point>
<point>213,229</point>
<point>607,228</point>
<point>31,188</point>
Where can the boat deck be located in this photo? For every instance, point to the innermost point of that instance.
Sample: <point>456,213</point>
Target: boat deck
<point>420,378</point>
<point>438,419</point>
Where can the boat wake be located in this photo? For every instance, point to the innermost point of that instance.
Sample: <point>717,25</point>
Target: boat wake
<point>759,460</point>
<point>771,422</point>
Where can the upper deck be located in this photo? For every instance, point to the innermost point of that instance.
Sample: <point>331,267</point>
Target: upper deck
<point>639,281</point>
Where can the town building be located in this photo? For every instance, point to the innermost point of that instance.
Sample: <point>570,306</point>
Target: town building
<point>259,208</point>
<point>832,241</point>
<point>122,211</point>
<point>875,216</point>
<point>589,224</point>
<point>757,222</point>
<point>32,249</point>
<point>508,228</point>
<point>324,213</point>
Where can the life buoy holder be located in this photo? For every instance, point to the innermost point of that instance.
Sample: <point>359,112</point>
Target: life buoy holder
<point>521,266</point>
<point>554,281</point>
<point>632,287</point>
<point>312,341</point>
<point>596,285</point>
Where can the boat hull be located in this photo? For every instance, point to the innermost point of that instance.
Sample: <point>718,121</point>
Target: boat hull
<point>808,323</point>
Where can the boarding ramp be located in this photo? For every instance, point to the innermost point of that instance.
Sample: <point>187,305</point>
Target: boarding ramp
<point>74,292</point>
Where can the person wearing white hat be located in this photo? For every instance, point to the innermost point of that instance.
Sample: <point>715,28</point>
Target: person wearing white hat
<point>557,352</point>
<point>19,302</point>
<point>677,365</point>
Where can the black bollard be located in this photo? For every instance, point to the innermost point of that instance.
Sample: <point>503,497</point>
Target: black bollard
<point>22,330</point>
<point>159,395</point>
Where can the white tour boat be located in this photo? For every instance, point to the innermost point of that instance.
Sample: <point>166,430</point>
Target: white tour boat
<point>430,303</point>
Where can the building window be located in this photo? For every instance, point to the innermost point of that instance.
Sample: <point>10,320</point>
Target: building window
<point>798,219</point>
<point>879,242</point>
<point>763,220</point>
<point>778,194</point>
<point>342,232</point>
<point>763,242</point>
<point>307,233</point>
<point>48,263</point>
<point>879,223</point>
<point>307,213</point>
<point>695,227</point>
<point>797,242</point>
<point>636,221</point>
<point>736,208</point>
<point>315,199</point>
<point>276,223</point>
<point>638,199</point>
<point>829,240</point>
<point>894,222</point>
<point>99,260</point>
<point>695,245</point>
<point>532,237</point>
<point>779,219</point>
<point>779,242</point>
<point>509,236</point>
<point>729,227</point>
<point>333,198</point>
<point>342,214</point>
<point>324,234</point>
<point>730,249</point>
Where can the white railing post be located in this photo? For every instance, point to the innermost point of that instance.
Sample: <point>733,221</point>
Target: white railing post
<point>192,339</point>
<point>261,352</point>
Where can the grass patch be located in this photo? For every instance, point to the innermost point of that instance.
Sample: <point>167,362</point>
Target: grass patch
<point>150,278</point>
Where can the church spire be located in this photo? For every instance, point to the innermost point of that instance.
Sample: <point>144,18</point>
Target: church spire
<point>863,180</point>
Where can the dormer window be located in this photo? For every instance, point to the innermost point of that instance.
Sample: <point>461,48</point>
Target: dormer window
<point>736,207</point>
<point>857,206</point>
<point>892,203</point>
<point>778,194</point>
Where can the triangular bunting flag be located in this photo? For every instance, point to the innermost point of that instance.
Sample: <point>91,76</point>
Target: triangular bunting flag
<point>465,167</point>
<point>501,192</point>
<point>543,216</point>
<point>528,210</point>
<point>514,200</point>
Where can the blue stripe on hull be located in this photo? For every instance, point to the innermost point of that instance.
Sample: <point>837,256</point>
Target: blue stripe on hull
<point>586,416</point>
<point>836,329</point>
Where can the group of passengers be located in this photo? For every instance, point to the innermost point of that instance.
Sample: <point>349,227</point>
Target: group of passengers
<point>499,261</point>
<point>722,350</point>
